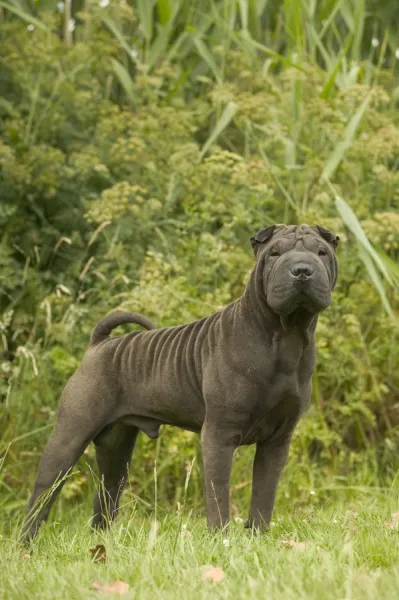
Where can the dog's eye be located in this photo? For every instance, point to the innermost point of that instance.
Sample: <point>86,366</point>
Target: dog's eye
<point>274,253</point>
<point>322,252</point>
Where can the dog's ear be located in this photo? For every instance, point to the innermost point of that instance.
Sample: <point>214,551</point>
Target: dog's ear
<point>329,236</point>
<point>261,237</point>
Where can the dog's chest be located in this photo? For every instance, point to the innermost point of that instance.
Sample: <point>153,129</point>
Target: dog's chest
<point>276,411</point>
<point>283,387</point>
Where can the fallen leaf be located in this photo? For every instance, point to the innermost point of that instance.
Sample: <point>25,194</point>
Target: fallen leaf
<point>97,586</point>
<point>115,587</point>
<point>297,545</point>
<point>394,524</point>
<point>214,574</point>
<point>99,553</point>
<point>118,587</point>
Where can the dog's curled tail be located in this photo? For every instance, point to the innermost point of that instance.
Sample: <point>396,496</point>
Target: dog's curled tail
<point>105,326</point>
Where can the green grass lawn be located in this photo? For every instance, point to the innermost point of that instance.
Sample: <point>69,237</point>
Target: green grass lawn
<point>348,551</point>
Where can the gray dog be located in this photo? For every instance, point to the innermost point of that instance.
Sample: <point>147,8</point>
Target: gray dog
<point>240,376</point>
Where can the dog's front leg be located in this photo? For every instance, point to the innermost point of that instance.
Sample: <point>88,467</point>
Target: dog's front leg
<point>269,462</point>
<point>218,449</point>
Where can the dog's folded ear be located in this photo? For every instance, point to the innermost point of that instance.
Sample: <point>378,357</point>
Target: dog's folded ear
<point>329,236</point>
<point>262,236</point>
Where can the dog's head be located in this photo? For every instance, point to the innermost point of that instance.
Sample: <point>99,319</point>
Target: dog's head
<point>298,265</point>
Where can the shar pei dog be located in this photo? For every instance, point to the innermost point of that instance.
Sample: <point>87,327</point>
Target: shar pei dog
<point>240,376</point>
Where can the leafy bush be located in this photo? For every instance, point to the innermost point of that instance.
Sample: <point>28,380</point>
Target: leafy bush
<point>137,184</point>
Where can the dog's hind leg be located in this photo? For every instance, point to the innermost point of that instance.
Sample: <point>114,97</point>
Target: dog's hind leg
<point>78,421</point>
<point>114,448</point>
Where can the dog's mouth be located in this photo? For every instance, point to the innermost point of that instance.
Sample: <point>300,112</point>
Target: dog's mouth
<point>299,304</point>
<point>305,303</point>
<point>302,301</point>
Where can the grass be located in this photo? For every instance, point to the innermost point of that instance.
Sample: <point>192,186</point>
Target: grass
<point>349,553</point>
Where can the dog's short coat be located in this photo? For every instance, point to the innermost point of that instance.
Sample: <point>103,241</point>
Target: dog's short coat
<point>239,376</point>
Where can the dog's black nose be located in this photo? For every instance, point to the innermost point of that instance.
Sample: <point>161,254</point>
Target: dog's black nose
<point>302,271</point>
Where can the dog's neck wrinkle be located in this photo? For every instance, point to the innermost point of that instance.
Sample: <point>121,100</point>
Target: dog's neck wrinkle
<point>253,303</point>
<point>303,322</point>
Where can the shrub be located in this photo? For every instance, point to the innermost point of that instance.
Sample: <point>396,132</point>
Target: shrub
<point>108,200</point>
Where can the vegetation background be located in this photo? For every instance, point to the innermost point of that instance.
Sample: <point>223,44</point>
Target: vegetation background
<point>141,144</point>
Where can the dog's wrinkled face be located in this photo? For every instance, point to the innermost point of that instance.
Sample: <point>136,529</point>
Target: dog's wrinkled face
<point>299,266</point>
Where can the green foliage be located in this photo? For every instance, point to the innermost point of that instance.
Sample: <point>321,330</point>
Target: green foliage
<point>138,154</point>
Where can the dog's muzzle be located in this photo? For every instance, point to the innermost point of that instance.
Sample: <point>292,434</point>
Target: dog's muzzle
<point>301,272</point>
<point>300,280</point>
